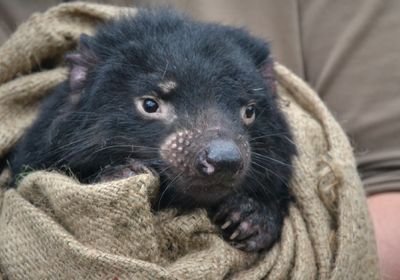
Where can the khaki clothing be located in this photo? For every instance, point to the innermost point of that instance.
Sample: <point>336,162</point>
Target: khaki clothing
<point>349,51</point>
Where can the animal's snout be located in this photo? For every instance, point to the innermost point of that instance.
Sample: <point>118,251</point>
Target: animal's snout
<point>221,158</point>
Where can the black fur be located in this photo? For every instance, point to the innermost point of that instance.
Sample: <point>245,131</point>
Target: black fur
<point>89,122</point>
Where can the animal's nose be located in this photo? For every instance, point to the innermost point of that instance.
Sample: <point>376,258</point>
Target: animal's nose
<point>221,157</point>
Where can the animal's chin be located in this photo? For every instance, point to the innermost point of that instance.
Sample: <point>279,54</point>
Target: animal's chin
<point>204,192</point>
<point>207,195</point>
<point>200,190</point>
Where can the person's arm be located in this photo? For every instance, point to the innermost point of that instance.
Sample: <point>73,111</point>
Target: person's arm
<point>385,211</point>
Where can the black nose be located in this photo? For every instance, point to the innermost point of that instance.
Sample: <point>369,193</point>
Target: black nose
<point>221,157</point>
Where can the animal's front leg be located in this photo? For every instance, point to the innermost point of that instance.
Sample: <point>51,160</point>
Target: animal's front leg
<point>247,223</point>
<point>114,172</point>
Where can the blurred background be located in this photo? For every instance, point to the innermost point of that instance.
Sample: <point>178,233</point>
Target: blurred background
<point>13,12</point>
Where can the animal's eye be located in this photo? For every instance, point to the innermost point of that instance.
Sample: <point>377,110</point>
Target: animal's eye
<point>150,105</point>
<point>248,114</point>
<point>152,108</point>
<point>250,111</point>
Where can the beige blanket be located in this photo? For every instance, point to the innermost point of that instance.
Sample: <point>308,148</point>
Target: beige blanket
<point>52,227</point>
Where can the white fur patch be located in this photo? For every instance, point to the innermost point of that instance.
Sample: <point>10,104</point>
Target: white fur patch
<point>167,86</point>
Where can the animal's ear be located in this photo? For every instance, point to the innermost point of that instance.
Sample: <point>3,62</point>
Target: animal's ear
<point>81,62</point>
<point>259,51</point>
<point>256,48</point>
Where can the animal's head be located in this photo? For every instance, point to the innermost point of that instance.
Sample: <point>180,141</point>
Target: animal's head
<point>187,98</point>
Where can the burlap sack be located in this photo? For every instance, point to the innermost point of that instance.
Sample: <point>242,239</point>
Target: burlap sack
<point>52,227</point>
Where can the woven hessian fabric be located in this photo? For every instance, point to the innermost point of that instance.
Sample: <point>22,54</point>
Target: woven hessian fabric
<point>53,227</point>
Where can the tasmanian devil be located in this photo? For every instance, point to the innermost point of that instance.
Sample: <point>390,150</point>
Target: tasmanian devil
<point>193,102</point>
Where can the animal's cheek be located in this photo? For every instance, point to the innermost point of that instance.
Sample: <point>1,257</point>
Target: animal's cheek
<point>179,150</point>
<point>246,153</point>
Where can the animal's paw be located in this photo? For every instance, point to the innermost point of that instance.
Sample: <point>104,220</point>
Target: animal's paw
<point>248,224</point>
<point>131,168</point>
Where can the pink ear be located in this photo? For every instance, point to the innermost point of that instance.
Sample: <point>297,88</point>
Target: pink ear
<point>81,63</point>
<point>267,71</point>
<point>78,71</point>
